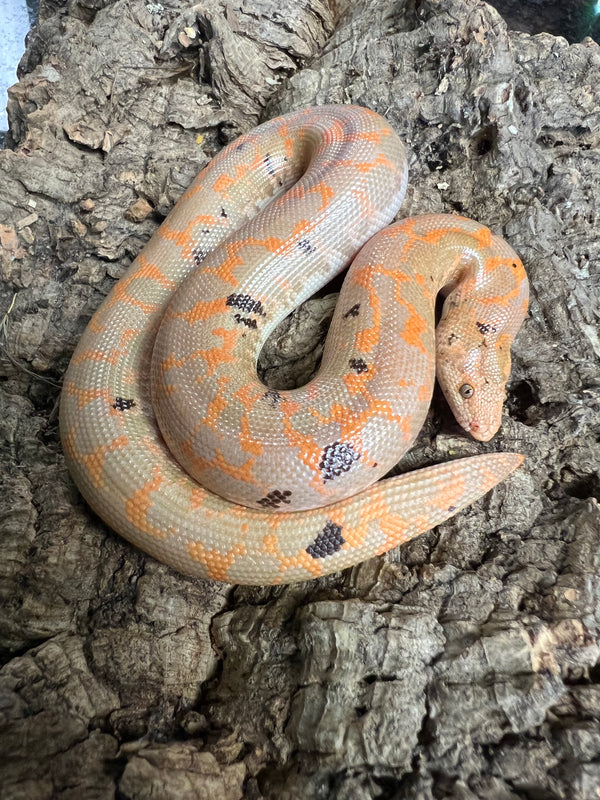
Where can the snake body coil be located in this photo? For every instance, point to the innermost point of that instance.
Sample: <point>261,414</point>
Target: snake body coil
<point>193,459</point>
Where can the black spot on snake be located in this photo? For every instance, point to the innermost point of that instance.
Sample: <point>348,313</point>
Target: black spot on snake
<point>328,542</point>
<point>337,458</point>
<point>249,323</point>
<point>352,312</point>
<point>246,303</point>
<point>359,365</point>
<point>199,255</point>
<point>305,246</point>
<point>123,403</point>
<point>223,213</point>
<point>272,397</point>
<point>484,327</point>
<point>275,499</point>
<point>268,162</point>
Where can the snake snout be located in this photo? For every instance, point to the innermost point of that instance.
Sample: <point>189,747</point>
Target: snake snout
<point>483,433</point>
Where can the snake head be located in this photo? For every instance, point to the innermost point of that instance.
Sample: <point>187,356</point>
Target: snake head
<point>472,372</point>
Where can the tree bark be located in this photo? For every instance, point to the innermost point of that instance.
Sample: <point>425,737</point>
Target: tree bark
<point>463,665</point>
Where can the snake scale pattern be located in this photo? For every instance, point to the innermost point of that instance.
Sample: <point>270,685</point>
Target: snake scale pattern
<point>174,441</point>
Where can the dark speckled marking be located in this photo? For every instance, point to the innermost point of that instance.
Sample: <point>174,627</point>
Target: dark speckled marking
<point>246,303</point>
<point>275,499</point>
<point>268,162</point>
<point>306,246</point>
<point>272,397</point>
<point>123,403</point>
<point>359,365</point>
<point>337,458</point>
<point>249,323</point>
<point>352,312</point>
<point>199,255</point>
<point>328,542</point>
<point>484,328</point>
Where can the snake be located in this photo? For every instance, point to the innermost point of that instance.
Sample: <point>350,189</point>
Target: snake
<point>175,442</point>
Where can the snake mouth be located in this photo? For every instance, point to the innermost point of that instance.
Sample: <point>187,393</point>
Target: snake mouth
<point>482,432</point>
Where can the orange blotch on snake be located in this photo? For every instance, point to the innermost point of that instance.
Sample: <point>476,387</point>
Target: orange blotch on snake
<point>367,339</point>
<point>140,502</point>
<point>94,461</point>
<point>271,544</point>
<point>414,328</point>
<point>108,356</point>
<point>398,529</point>
<point>448,495</point>
<point>183,238</point>
<point>369,166</point>
<point>374,137</point>
<point>247,442</point>
<point>197,498</point>
<point>216,562</point>
<point>147,269</point>
<point>202,310</point>
<point>424,393</point>
<point>223,183</point>
<point>218,356</point>
<point>304,561</point>
<point>355,383</point>
<point>327,193</point>
<point>248,395</point>
<point>85,396</point>
<point>243,472</point>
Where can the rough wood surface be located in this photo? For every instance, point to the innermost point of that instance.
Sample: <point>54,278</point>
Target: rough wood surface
<point>464,665</point>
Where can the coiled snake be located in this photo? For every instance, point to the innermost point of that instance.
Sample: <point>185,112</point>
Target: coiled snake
<point>177,445</point>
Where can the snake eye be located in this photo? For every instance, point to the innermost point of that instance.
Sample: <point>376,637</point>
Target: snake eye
<point>466,391</point>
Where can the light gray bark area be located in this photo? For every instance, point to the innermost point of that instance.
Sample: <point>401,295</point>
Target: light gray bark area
<point>463,665</point>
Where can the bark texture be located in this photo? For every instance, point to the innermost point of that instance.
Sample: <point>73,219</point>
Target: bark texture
<point>464,665</point>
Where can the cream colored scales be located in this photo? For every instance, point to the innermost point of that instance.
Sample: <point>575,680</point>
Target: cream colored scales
<point>276,487</point>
